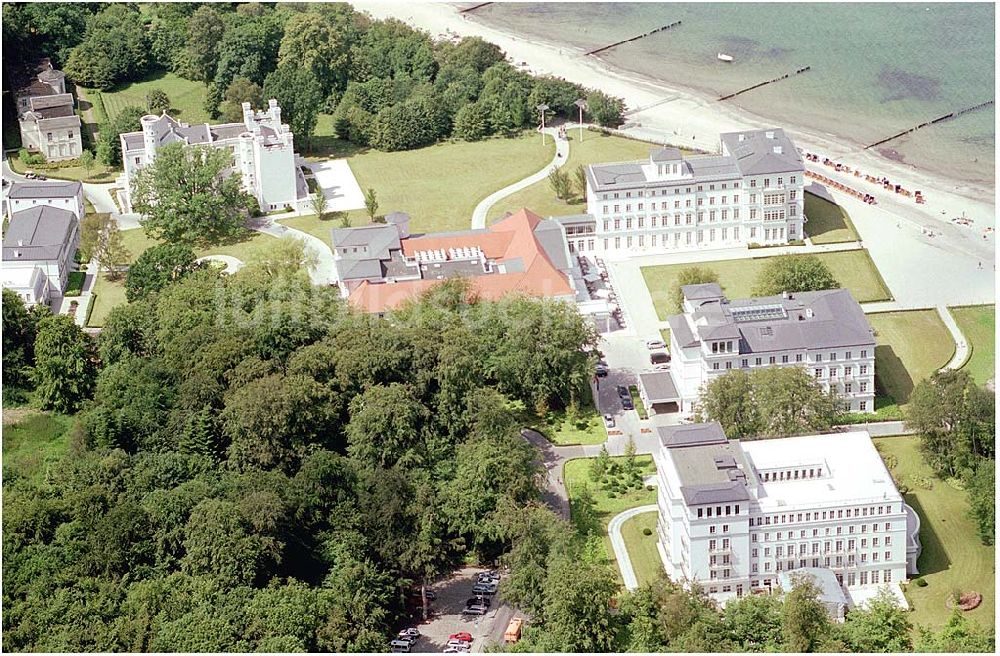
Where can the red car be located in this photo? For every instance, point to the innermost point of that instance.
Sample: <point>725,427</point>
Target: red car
<point>467,637</point>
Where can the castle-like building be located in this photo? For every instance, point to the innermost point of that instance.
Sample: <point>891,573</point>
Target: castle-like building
<point>750,194</point>
<point>262,147</point>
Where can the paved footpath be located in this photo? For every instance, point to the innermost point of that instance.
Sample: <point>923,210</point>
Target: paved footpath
<point>562,155</point>
<point>618,543</point>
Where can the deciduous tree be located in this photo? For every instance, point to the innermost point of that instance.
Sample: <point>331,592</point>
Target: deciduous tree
<point>299,94</point>
<point>157,101</point>
<point>793,273</point>
<point>65,364</point>
<point>880,626</point>
<point>240,90</point>
<point>692,275</point>
<point>185,197</point>
<point>156,268</point>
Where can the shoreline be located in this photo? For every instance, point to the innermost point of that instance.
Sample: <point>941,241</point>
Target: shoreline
<point>668,112</point>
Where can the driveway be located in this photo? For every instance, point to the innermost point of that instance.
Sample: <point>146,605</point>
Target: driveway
<point>336,179</point>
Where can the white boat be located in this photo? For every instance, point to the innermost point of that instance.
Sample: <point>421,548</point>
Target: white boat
<point>724,57</point>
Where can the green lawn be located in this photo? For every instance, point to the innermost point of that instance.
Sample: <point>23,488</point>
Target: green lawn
<point>978,324</point>
<point>952,557</point>
<point>828,222</point>
<point>74,283</point>
<point>587,429</point>
<point>32,443</point>
<point>594,148</point>
<point>910,346</point>
<point>187,98</point>
<point>665,336</point>
<point>439,186</point>
<point>642,551</point>
<point>854,270</point>
<point>98,172</point>
<point>110,293</point>
<point>576,475</point>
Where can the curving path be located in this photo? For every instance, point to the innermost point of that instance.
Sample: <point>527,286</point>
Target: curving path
<point>562,154</point>
<point>324,273</point>
<point>961,345</point>
<point>618,543</point>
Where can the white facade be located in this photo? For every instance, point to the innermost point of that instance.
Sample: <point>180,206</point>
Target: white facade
<point>49,125</point>
<point>750,194</point>
<point>825,332</point>
<point>262,148</point>
<point>734,516</point>
<point>38,250</point>
<point>61,195</point>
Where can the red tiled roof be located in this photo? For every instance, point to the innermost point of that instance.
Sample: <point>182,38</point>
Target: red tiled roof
<point>510,238</point>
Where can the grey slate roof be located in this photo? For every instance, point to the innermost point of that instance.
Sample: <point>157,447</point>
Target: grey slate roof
<point>44,189</point>
<point>58,111</point>
<point>550,235</point>
<point>55,100</point>
<point>691,435</point>
<point>380,240</point>
<point>665,154</point>
<point>38,233</point>
<point>715,493</point>
<point>755,154</point>
<point>836,321</point>
<point>659,386</point>
<point>702,291</point>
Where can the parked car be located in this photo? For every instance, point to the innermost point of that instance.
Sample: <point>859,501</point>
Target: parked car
<point>492,576</point>
<point>474,610</point>
<point>31,175</point>
<point>662,367</point>
<point>601,370</point>
<point>484,588</point>
<point>627,403</point>
<point>400,646</point>
<point>431,595</point>
<point>480,600</point>
<point>655,344</point>
<point>409,633</point>
<point>609,421</point>
<point>461,635</point>
<point>455,650</point>
<point>659,357</point>
<point>459,643</point>
<point>623,392</point>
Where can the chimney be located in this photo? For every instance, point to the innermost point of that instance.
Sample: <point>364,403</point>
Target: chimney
<point>769,134</point>
<point>777,150</point>
<point>785,295</point>
<point>20,242</point>
<point>809,313</point>
<point>742,136</point>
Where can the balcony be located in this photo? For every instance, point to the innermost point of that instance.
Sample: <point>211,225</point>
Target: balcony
<point>720,550</point>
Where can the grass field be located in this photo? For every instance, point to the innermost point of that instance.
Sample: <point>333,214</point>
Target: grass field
<point>186,97</point>
<point>910,346</point>
<point>32,443</point>
<point>576,474</point>
<point>98,173</point>
<point>594,148</point>
<point>587,429</point>
<point>110,293</point>
<point>978,324</point>
<point>439,186</point>
<point>952,557</point>
<point>642,551</point>
<point>853,269</point>
<point>828,222</point>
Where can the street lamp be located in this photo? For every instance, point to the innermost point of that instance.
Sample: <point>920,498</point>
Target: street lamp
<point>582,104</point>
<point>541,108</point>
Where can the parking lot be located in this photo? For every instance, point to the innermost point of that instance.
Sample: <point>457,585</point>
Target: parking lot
<point>452,593</point>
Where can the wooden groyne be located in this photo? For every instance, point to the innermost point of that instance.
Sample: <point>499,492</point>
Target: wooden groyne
<point>764,84</point>
<point>939,119</point>
<point>474,7</point>
<point>635,38</point>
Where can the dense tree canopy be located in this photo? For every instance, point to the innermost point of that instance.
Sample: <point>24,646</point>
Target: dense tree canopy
<point>767,402</point>
<point>114,49</point>
<point>693,275</point>
<point>156,268</point>
<point>793,273</point>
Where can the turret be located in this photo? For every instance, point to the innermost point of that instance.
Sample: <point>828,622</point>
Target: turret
<point>275,113</point>
<point>149,136</point>
<point>247,116</point>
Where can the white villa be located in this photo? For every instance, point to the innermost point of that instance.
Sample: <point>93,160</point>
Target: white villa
<point>750,194</point>
<point>262,149</point>
<point>50,193</point>
<point>736,516</point>
<point>826,332</point>
<point>49,125</point>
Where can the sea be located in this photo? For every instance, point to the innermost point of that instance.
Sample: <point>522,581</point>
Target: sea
<point>876,69</point>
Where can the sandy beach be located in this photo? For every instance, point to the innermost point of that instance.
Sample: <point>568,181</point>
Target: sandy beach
<point>684,118</point>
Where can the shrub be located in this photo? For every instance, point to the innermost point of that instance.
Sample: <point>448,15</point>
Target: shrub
<point>650,488</point>
<point>611,495</point>
<point>647,531</point>
<point>920,583</point>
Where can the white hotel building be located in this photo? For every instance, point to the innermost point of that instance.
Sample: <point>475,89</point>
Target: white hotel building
<point>262,147</point>
<point>735,516</point>
<point>825,332</point>
<point>750,194</point>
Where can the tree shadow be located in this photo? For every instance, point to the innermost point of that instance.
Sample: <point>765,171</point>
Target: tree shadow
<point>933,557</point>
<point>891,377</point>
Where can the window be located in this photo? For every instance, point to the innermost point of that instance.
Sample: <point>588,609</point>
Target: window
<point>863,406</point>
<point>725,528</point>
<point>864,353</point>
<point>784,359</point>
<point>699,512</point>
<point>757,361</point>
<point>864,369</point>
<point>798,357</point>
<point>711,529</point>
